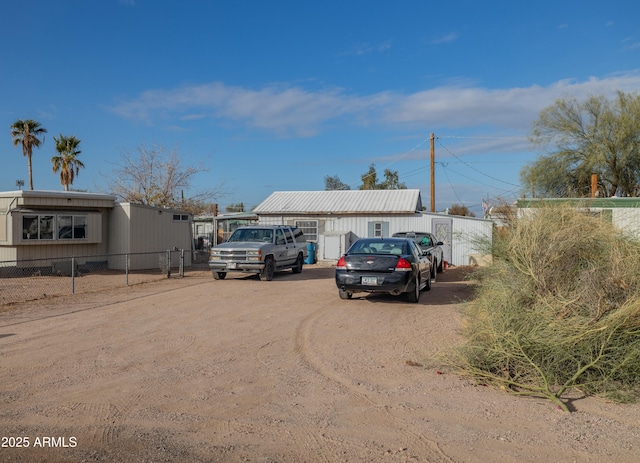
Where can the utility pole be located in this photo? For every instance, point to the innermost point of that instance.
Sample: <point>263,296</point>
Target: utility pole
<point>594,185</point>
<point>433,175</point>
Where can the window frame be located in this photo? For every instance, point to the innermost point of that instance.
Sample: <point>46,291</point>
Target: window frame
<point>48,226</point>
<point>305,225</point>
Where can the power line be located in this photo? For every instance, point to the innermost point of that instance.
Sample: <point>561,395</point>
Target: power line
<point>473,179</point>
<point>399,157</point>
<point>473,168</point>
<point>484,138</point>
<point>455,193</point>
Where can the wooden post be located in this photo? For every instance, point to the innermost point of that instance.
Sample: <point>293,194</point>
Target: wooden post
<point>594,185</point>
<point>433,175</point>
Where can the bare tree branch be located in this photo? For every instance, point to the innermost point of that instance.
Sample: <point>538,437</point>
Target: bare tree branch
<point>157,177</point>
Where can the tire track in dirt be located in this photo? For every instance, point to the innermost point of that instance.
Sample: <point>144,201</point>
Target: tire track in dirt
<point>104,423</point>
<point>310,439</point>
<point>304,349</point>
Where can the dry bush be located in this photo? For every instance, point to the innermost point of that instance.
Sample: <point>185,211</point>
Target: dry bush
<point>558,310</point>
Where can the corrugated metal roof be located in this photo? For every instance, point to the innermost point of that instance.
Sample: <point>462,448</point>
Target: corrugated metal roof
<point>341,201</point>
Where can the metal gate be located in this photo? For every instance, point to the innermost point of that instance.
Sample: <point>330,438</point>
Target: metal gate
<point>442,229</point>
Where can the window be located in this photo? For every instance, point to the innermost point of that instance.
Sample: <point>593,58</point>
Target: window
<point>37,227</point>
<point>50,227</point>
<point>46,227</point>
<point>288,236</point>
<point>181,217</point>
<point>309,228</point>
<point>72,227</point>
<point>378,229</point>
<point>30,227</point>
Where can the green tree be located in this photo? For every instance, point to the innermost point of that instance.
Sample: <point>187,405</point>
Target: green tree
<point>391,180</point>
<point>369,179</point>
<point>597,136</point>
<point>29,134</point>
<point>67,162</point>
<point>334,183</point>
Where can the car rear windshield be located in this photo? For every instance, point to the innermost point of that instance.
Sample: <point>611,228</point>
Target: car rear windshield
<point>379,247</point>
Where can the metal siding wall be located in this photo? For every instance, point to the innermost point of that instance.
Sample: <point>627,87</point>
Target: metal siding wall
<point>4,227</point>
<point>50,251</point>
<point>118,229</point>
<point>466,235</point>
<point>8,253</point>
<point>466,231</point>
<point>627,220</point>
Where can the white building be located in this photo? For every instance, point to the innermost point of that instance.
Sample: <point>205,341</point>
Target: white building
<point>333,220</point>
<point>624,213</point>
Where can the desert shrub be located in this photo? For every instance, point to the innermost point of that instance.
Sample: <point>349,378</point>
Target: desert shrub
<point>558,310</point>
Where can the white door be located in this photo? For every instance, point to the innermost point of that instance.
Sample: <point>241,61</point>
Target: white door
<point>333,247</point>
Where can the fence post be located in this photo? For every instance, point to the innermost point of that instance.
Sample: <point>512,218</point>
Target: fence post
<point>182,263</point>
<point>73,275</point>
<point>168,263</point>
<point>126,268</point>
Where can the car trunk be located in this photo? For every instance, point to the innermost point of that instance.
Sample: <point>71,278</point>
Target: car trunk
<point>371,262</point>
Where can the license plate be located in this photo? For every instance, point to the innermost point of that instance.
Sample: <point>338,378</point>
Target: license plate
<point>232,265</point>
<point>373,281</point>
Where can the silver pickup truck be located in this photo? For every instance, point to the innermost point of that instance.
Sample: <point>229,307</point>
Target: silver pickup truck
<point>261,249</point>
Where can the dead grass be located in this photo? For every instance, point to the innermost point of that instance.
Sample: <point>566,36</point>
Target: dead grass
<point>558,311</point>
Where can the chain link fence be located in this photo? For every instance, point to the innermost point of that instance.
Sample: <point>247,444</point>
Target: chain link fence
<point>26,280</point>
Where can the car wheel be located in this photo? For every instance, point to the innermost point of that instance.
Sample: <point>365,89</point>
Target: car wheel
<point>414,296</point>
<point>434,274</point>
<point>268,270</point>
<point>344,294</point>
<point>219,275</point>
<point>298,267</point>
<point>440,266</point>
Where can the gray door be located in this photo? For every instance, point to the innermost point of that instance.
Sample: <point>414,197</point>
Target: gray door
<point>442,229</point>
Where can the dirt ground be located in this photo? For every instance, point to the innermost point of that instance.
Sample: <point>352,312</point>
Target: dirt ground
<point>239,370</point>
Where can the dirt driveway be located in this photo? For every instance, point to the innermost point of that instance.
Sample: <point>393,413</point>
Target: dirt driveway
<point>197,370</point>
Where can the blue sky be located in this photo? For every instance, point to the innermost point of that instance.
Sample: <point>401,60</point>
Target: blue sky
<point>275,95</point>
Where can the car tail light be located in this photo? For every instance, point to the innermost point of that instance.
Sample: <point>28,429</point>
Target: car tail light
<point>341,265</point>
<point>403,265</point>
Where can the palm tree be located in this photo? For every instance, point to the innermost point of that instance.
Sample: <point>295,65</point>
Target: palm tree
<point>67,161</point>
<point>28,133</point>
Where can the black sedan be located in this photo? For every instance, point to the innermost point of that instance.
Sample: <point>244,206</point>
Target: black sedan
<point>385,265</point>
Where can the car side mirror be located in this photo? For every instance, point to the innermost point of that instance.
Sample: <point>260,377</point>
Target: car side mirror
<point>440,243</point>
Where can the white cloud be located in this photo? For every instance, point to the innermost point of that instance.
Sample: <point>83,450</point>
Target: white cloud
<point>300,112</point>
<point>367,48</point>
<point>451,37</point>
<point>467,106</point>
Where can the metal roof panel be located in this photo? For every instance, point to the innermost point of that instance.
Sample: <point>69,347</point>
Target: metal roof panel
<point>341,201</point>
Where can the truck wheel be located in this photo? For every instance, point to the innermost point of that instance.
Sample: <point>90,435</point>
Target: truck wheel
<point>268,270</point>
<point>218,275</point>
<point>298,267</point>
